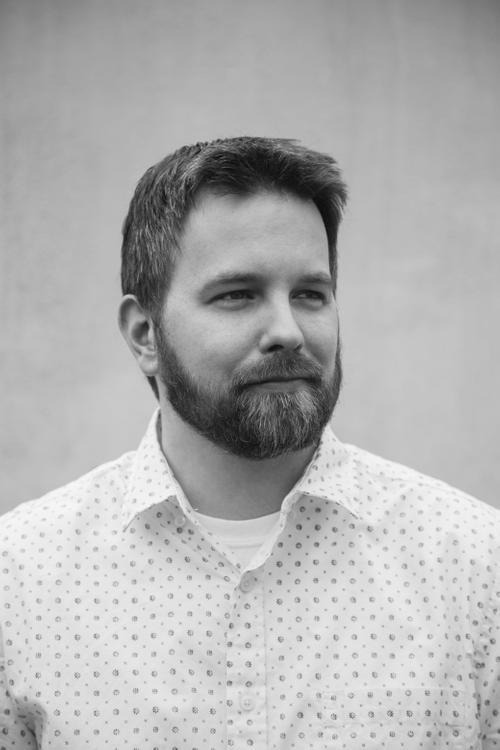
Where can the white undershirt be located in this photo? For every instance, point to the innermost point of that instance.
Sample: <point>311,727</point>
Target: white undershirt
<point>244,538</point>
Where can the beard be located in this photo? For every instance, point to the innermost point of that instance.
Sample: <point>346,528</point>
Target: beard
<point>250,422</point>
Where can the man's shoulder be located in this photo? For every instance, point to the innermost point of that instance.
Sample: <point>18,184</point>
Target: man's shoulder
<point>386,482</point>
<point>69,502</point>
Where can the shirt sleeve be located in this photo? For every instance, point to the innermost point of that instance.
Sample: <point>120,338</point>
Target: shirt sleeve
<point>488,673</point>
<point>14,734</point>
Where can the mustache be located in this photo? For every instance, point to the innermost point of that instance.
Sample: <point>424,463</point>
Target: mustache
<point>281,366</point>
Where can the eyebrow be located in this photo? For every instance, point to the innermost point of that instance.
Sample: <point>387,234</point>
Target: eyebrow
<point>229,277</point>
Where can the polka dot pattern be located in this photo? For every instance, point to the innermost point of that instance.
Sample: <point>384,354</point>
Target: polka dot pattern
<point>370,619</point>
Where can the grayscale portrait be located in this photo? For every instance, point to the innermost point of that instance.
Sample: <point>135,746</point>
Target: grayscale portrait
<point>249,291</point>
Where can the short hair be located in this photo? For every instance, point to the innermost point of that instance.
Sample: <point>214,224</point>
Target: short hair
<point>237,166</point>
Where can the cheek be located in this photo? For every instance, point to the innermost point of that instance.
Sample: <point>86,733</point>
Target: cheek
<point>212,354</point>
<point>322,339</point>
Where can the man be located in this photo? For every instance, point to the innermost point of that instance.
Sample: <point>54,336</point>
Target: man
<point>245,579</point>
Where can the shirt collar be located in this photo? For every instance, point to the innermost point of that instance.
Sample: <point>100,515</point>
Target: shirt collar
<point>328,476</point>
<point>151,480</point>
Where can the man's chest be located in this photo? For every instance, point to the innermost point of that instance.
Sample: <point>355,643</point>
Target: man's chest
<point>324,654</point>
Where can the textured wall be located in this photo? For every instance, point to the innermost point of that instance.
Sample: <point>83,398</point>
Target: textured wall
<point>403,93</point>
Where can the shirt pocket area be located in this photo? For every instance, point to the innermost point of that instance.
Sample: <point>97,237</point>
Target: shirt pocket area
<point>422,718</point>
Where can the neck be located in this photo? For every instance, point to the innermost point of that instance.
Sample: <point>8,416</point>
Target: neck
<point>218,483</point>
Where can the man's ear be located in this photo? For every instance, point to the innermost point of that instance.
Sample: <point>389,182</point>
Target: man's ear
<point>137,329</point>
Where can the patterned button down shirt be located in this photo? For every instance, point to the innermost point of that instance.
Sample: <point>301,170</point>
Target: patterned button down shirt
<point>370,619</point>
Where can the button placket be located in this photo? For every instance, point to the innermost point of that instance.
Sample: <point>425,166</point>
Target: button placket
<point>247,702</point>
<point>246,679</point>
<point>247,583</point>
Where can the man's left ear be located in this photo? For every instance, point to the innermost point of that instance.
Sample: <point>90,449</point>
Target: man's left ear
<point>137,329</point>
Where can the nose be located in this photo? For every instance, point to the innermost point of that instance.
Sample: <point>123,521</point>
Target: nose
<point>281,330</point>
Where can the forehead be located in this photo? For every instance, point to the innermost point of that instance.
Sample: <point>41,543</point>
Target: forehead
<point>265,231</point>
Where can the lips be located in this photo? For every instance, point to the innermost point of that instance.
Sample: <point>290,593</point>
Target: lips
<point>280,379</point>
<point>281,368</point>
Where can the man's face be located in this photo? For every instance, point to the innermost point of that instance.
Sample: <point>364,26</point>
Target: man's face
<point>248,338</point>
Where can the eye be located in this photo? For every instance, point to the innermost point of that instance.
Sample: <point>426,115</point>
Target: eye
<point>234,298</point>
<point>312,296</point>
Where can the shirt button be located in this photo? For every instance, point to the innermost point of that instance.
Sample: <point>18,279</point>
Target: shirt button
<point>247,583</point>
<point>247,702</point>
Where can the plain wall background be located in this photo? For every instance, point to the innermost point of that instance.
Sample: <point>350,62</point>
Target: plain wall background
<point>404,94</point>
